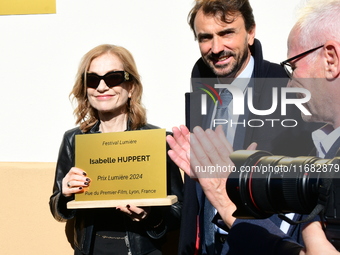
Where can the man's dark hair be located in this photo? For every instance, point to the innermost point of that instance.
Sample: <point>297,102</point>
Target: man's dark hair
<point>223,9</point>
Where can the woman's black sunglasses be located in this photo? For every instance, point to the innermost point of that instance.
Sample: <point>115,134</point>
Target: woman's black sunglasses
<point>111,79</point>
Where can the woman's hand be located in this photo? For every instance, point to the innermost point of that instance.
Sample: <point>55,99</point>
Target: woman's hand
<point>75,181</point>
<point>134,212</point>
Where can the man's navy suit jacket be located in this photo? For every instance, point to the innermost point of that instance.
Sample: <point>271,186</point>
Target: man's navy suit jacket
<point>279,141</point>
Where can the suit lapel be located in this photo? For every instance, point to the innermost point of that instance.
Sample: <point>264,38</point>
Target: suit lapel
<point>333,150</point>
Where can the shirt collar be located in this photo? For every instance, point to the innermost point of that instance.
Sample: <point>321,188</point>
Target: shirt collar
<point>247,72</point>
<point>324,138</point>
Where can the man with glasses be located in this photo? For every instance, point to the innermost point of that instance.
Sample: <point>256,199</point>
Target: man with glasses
<point>287,63</point>
<point>317,35</point>
<point>314,64</point>
<point>225,31</point>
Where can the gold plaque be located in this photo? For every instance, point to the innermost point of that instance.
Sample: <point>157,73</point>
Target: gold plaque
<point>123,165</point>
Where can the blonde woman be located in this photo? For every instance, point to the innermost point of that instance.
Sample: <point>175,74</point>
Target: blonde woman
<point>108,93</point>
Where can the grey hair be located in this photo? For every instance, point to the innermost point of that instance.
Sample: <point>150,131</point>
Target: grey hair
<point>318,22</point>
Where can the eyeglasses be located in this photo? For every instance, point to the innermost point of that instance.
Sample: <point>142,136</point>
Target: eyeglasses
<point>288,67</point>
<point>111,79</point>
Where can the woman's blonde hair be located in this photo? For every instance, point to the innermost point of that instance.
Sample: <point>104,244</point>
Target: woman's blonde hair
<point>86,115</point>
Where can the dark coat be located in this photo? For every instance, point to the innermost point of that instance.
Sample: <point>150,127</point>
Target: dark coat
<point>279,140</point>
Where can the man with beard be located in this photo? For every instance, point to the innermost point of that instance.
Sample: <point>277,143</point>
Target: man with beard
<point>225,30</point>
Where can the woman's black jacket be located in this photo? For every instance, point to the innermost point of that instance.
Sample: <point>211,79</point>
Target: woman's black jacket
<point>143,237</point>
